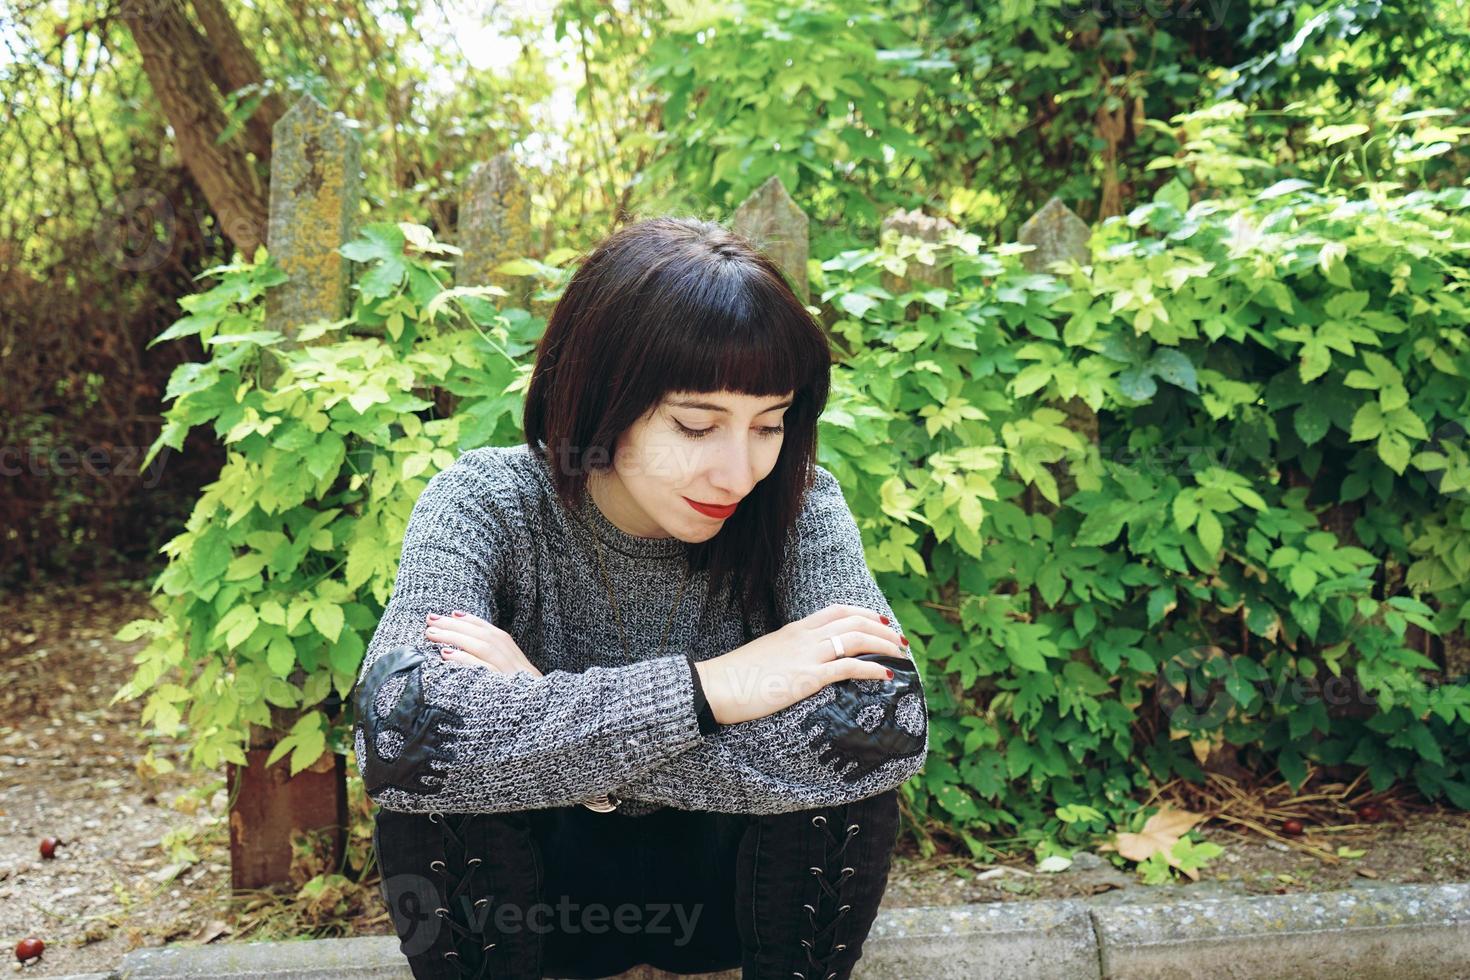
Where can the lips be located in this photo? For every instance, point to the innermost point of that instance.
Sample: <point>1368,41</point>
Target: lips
<point>710,511</point>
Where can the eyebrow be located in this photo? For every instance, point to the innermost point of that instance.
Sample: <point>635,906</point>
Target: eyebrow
<point>712,407</point>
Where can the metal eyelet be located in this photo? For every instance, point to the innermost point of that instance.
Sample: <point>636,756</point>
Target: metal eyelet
<point>852,829</point>
<point>434,816</point>
<point>839,947</point>
<point>441,912</point>
<point>815,870</point>
<point>810,910</point>
<point>473,861</point>
<point>451,953</point>
<point>440,863</point>
<point>480,902</point>
<point>486,949</point>
<point>844,908</point>
<point>848,872</point>
<point>819,821</point>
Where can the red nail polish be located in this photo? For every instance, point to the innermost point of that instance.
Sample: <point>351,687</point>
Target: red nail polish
<point>883,618</point>
<point>890,672</point>
<point>905,640</point>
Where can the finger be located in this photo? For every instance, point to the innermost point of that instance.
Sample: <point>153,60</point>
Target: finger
<point>460,615</point>
<point>859,641</point>
<point>475,639</point>
<point>888,634</point>
<point>863,625</point>
<point>839,611</point>
<point>460,657</point>
<point>460,627</point>
<point>845,668</point>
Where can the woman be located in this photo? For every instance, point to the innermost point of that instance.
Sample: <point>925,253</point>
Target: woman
<point>635,697</point>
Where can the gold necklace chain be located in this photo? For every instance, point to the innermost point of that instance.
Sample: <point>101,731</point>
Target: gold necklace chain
<point>617,616</point>
<point>601,803</point>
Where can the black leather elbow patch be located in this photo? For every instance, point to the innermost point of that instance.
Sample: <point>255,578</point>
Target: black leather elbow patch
<point>425,731</point>
<point>838,721</point>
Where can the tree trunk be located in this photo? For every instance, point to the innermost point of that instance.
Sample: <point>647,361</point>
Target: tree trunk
<point>175,62</point>
<point>239,69</point>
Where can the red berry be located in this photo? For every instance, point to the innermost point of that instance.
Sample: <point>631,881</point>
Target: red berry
<point>1291,826</point>
<point>48,847</point>
<point>28,948</point>
<point>1370,813</point>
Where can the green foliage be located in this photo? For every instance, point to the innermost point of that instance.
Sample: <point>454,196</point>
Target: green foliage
<point>804,92</point>
<point>289,556</point>
<point>1275,367</point>
<point>1275,495</point>
<point>1191,856</point>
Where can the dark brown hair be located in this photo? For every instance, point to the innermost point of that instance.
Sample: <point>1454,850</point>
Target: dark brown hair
<point>679,304</point>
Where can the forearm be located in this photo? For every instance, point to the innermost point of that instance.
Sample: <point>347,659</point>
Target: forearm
<point>467,739</point>
<point>785,761</point>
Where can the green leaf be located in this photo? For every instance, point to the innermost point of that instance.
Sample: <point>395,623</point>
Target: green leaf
<point>1394,450</point>
<point>1173,193</point>
<point>1211,534</point>
<point>1333,135</point>
<point>1282,187</point>
<point>1303,579</point>
<point>281,655</point>
<point>1102,525</point>
<point>380,243</point>
<point>1027,657</point>
<point>327,618</point>
<point>1311,421</point>
<point>1174,367</point>
<point>1367,422</point>
<point>856,304</point>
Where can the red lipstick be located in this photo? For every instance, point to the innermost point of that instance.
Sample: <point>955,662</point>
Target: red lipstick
<point>710,510</point>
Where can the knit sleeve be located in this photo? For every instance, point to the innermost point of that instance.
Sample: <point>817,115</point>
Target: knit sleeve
<point>435,735</point>
<point>848,741</point>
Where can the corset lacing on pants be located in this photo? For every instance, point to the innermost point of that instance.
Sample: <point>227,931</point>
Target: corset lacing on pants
<point>818,964</point>
<point>459,873</point>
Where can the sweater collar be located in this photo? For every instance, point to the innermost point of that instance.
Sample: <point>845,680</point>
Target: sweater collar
<point>617,539</point>
<point>613,538</point>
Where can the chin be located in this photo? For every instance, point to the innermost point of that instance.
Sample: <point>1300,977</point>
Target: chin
<point>696,536</point>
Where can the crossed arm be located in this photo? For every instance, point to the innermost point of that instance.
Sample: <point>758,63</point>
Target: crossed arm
<point>437,735</point>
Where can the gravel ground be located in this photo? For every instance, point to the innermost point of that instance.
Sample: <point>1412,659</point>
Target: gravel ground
<point>145,858</point>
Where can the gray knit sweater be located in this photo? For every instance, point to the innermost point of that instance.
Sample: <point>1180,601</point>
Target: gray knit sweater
<point>490,536</point>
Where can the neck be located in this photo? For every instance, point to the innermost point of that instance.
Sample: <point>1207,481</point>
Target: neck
<point>612,499</point>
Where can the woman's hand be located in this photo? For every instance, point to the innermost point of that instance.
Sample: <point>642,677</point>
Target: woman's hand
<point>471,640</point>
<point>778,669</point>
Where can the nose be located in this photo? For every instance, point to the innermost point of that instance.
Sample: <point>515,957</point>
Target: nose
<point>733,475</point>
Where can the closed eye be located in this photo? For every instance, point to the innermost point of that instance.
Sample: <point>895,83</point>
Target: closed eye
<point>765,430</point>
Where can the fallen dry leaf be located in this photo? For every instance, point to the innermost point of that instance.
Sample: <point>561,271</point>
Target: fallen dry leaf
<point>1159,834</point>
<point>211,931</point>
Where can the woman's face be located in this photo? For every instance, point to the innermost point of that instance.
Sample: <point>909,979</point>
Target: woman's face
<point>711,448</point>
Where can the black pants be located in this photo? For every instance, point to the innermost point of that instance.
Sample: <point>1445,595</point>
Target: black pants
<point>571,893</point>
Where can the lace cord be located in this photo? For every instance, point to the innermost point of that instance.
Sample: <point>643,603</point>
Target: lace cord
<point>460,876</point>
<point>819,964</point>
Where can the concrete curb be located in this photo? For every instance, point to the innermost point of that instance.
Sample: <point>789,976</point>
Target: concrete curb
<point>1404,932</point>
<point>1397,931</point>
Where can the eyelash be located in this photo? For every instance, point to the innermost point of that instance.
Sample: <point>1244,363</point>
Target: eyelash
<point>765,430</point>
